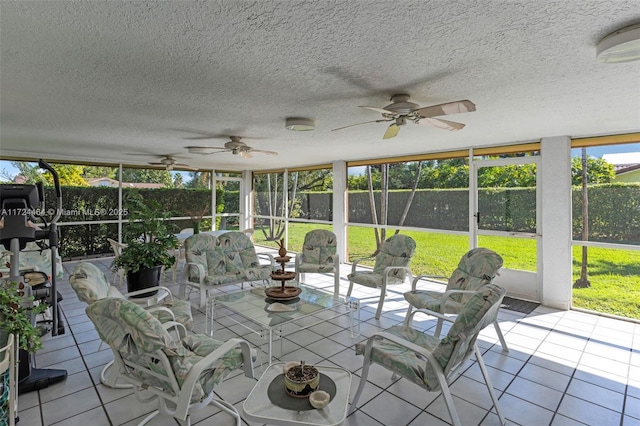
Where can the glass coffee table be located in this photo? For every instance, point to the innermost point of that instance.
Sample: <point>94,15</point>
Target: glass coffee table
<point>269,403</point>
<point>267,317</point>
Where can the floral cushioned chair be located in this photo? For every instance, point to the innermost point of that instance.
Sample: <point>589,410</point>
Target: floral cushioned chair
<point>319,256</point>
<point>32,256</point>
<point>391,267</point>
<point>91,285</point>
<point>229,258</point>
<point>431,362</point>
<point>477,267</point>
<point>179,372</point>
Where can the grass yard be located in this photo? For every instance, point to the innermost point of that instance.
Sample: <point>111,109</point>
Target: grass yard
<point>614,274</point>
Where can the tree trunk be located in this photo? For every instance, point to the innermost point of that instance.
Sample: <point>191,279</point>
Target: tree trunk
<point>583,281</point>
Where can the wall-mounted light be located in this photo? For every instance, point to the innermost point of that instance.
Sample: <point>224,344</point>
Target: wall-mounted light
<point>620,46</point>
<point>300,124</point>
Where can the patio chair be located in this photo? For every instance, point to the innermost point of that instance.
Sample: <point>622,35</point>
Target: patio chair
<point>319,256</point>
<point>117,247</point>
<point>433,363</point>
<point>179,253</point>
<point>229,258</point>
<point>391,267</point>
<point>178,371</point>
<point>91,285</point>
<point>477,267</point>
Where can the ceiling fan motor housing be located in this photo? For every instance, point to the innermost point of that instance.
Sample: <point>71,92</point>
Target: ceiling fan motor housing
<point>401,105</point>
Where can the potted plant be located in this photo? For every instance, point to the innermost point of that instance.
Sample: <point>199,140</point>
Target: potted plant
<point>15,317</point>
<point>150,244</point>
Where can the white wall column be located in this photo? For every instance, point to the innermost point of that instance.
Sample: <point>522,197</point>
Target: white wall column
<point>556,222</point>
<point>245,200</point>
<point>340,207</point>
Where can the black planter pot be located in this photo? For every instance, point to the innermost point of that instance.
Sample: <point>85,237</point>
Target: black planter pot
<point>144,278</point>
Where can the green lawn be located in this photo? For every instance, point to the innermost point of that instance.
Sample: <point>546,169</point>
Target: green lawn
<point>614,274</point>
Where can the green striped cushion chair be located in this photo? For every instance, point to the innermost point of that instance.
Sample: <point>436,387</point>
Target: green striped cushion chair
<point>180,370</point>
<point>429,361</point>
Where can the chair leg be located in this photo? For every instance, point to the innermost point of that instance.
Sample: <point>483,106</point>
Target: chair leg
<point>336,283</point>
<point>109,377</point>
<point>487,380</point>
<point>448,399</point>
<point>363,381</point>
<point>438,328</point>
<point>505,349</point>
<point>203,297</point>
<point>407,318</point>
<point>379,310</point>
<point>350,288</point>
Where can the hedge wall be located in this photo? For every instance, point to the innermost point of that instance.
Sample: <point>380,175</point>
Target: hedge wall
<point>614,211</point>
<point>92,204</point>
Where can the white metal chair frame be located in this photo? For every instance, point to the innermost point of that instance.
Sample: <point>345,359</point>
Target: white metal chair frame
<point>444,375</point>
<point>175,401</point>
<point>117,247</point>
<point>300,270</point>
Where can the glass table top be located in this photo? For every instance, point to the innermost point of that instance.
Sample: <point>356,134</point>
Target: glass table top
<point>254,305</point>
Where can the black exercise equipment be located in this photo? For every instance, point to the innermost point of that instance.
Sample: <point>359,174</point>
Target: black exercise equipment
<point>19,205</point>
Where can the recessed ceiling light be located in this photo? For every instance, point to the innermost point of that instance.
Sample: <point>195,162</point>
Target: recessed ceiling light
<point>620,46</point>
<point>299,124</point>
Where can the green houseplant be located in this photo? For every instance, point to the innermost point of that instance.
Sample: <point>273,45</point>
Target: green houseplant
<point>15,316</point>
<point>150,244</point>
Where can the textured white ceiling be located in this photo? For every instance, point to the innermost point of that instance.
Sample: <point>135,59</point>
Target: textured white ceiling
<point>104,81</point>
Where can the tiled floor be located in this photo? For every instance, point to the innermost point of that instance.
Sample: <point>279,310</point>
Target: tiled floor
<point>563,368</point>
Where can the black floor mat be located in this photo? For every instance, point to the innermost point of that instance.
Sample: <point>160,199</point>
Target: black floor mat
<point>518,305</point>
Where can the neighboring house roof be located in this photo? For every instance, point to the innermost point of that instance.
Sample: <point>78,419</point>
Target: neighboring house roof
<point>105,181</point>
<point>623,162</point>
<point>627,169</point>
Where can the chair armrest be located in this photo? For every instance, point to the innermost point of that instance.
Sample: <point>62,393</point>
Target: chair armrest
<point>405,344</point>
<point>185,272</point>
<point>433,314</point>
<point>448,294</point>
<point>390,269</point>
<point>146,290</point>
<point>419,277</point>
<point>356,261</point>
<point>180,329</point>
<point>269,257</point>
<point>206,362</point>
<point>156,308</point>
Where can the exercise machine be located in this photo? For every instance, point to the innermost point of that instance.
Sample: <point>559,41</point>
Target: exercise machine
<point>20,207</point>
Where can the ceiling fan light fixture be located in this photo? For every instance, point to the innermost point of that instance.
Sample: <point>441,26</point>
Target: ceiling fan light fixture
<point>300,124</point>
<point>620,46</point>
<point>200,150</point>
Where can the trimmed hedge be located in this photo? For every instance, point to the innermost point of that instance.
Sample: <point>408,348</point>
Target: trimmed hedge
<point>93,204</point>
<point>614,211</point>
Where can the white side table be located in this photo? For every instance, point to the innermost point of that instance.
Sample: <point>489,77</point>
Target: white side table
<point>259,407</point>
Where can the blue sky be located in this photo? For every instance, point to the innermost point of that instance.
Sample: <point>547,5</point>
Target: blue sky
<point>594,152</point>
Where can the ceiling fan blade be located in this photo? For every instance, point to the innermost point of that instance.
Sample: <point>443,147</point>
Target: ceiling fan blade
<point>442,124</point>
<point>197,138</point>
<point>445,109</point>
<point>391,132</point>
<point>264,152</point>
<point>361,124</point>
<point>380,110</point>
<point>185,166</point>
<point>204,150</point>
<point>245,154</point>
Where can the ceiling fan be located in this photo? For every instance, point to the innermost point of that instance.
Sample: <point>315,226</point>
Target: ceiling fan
<point>400,110</point>
<point>169,163</point>
<point>234,146</point>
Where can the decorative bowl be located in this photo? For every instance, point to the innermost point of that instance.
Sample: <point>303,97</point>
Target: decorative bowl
<point>319,399</point>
